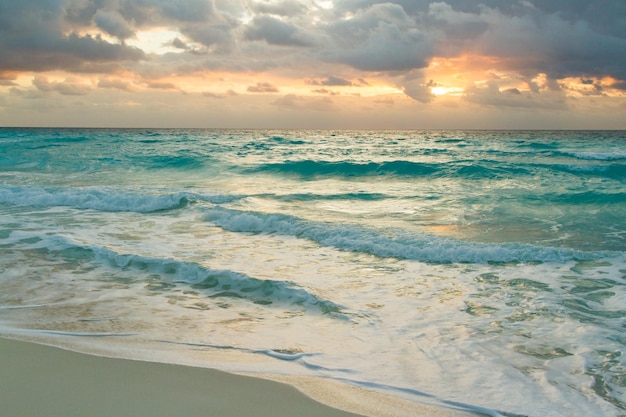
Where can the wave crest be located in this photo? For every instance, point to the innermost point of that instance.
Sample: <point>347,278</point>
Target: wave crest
<point>213,283</point>
<point>309,169</point>
<point>390,243</point>
<point>105,198</point>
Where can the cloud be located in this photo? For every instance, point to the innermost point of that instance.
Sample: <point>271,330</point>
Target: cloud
<point>29,94</point>
<point>183,10</point>
<point>550,44</point>
<point>490,94</point>
<point>116,83</point>
<point>263,87</point>
<point>277,32</point>
<point>41,35</point>
<point>582,38</point>
<point>619,85</point>
<point>216,36</point>
<point>386,101</point>
<point>575,47</point>
<point>287,8</point>
<point>7,79</point>
<point>229,93</point>
<point>332,81</point>
<point>66,88</point>
<point>160,85</point>
<point>137,14</point>
<point>604,17</point>
<point>34,35</point>
<point>177,43</point>
<point>413,85</point>
<point>380,38</point>
<point>296,102</point>
<point>213,95</point>
<point>557,38</point>
<point>549,36</point>
<point>325,91</point>
<point>113,24</point>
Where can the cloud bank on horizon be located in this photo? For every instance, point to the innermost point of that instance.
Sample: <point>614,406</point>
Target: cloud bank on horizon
<point>329,63</point>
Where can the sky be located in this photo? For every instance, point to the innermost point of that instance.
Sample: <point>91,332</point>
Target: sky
<point>315,64</point>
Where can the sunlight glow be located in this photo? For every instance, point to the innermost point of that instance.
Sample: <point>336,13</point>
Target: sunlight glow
<point>446,91</point>
<point>325,4</point>
<point>155,41</point>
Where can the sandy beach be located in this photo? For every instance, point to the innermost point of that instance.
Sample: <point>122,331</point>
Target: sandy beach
<point>39,380</point>
<point>45,381</point>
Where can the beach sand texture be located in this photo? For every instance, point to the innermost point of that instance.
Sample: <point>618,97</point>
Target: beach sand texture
<point>40,380</point>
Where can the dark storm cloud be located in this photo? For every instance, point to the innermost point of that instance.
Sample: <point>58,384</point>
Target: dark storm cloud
<point>603,15</point>
<point>40,35</point>
<point>558,37</point>
<point>35,36</point>
<point>606,17</point>
<point>537,42</point>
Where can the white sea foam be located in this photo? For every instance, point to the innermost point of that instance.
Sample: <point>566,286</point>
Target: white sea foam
<point>388,243</point>
<point>105,198</point>
<point>215,283</point>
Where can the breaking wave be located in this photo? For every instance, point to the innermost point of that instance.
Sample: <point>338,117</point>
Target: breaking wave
<point>106,198</point>
<point>390,243</point>
<point>214,283</point>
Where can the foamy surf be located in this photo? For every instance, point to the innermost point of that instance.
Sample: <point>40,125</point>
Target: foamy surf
<point>477,270</point>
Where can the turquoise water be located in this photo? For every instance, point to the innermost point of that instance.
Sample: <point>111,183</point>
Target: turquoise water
<point>476,270</point>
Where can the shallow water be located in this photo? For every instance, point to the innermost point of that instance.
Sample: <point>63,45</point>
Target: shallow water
<point>465,268</point>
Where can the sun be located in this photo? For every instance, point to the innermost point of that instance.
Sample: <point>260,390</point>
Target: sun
<point>446,91</point>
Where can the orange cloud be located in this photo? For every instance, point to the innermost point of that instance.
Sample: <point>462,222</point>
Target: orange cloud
<point>263,87</point>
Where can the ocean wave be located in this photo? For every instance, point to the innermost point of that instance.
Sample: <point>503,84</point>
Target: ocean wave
<point>214,283</point>
<point>596,156</point>
<point>286,140</point>
<point>539,145</point>
<point>388,243</point>
<point>156,162</point>
<point>587,197</point>
<point>309,169</point>
<point>612,171</point>
<point>105,198</point>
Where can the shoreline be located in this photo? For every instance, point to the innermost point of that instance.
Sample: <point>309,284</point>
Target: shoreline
<point>52,381</point>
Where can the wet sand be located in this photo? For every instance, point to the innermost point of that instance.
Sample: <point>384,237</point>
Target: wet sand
<point>40,380</point>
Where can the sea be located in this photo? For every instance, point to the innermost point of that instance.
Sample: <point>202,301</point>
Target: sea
<point>482,271</point>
